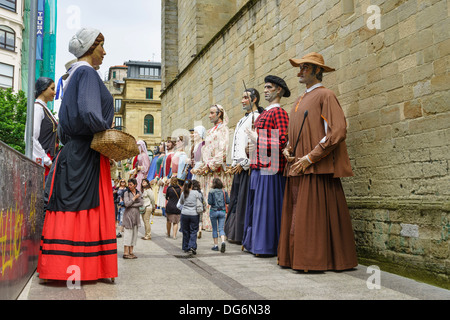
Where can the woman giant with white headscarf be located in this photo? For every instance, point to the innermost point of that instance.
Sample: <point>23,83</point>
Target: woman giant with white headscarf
<point>196,154</point>
<point>79,227</point>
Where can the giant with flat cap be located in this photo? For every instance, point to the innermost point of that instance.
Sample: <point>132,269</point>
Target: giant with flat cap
<point>279,82</point>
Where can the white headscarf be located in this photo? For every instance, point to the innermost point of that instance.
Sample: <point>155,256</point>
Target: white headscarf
<point>225,116</point>
<point>82,41</point>
<point>142,147</point>
<point>201,131</point>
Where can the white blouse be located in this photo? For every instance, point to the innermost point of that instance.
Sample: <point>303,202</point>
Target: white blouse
<point>240,140</point>
<point>39,115</point>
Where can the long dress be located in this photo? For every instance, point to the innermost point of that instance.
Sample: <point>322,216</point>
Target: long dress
<point>143,161</point>
<point>179,165</point>
<point>153,172</point>
<point>214,154</point>
<point>79,226</point>
<point>316,229</point>
<point>234,224</point>
<point>165,174</point>
<point>267,183</point>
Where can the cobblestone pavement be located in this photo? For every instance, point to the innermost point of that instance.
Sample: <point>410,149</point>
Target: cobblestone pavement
<point>164,272</point>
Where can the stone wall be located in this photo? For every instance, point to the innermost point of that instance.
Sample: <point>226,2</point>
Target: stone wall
<point>393,84</point>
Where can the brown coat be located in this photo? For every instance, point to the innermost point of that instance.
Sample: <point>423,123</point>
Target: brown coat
<point>331,155</point>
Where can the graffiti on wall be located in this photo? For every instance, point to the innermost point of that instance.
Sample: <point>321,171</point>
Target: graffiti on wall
<point>12,231</point>
<point>21,220</point>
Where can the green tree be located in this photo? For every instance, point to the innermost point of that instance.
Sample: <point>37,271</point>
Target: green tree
<point>13,115</point>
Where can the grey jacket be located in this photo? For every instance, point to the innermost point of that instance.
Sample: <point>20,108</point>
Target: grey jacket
<point>131,215</point>
<point>190,203</point>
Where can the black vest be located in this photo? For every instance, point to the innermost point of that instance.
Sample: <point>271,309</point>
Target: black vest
<point>48,137</point>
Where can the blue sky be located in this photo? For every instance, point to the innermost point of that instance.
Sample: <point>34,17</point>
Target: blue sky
<point>132,29</point>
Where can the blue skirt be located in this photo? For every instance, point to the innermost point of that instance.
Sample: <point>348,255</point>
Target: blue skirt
<point>263,213</point>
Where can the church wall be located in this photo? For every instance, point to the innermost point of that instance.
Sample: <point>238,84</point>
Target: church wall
<point>393,84</point>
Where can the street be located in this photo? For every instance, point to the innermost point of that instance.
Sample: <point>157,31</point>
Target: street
<point>164,272</point>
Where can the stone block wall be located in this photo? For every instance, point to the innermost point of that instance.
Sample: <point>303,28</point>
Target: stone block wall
<point>393,84</point>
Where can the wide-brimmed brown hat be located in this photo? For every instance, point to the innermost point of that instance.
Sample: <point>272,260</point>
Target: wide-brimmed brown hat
<point>314,58</point>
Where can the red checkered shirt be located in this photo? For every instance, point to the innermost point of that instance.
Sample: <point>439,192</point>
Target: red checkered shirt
<point>271,127</point>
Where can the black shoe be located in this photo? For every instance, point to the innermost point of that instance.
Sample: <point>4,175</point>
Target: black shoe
<point>119,235</point>
<point>222,247</point>
<point>193,251</point>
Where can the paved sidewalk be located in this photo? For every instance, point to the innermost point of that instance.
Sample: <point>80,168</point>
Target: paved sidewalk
<point>164,272</point>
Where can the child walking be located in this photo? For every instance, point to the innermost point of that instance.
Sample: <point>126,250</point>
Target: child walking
<point>218,199</point>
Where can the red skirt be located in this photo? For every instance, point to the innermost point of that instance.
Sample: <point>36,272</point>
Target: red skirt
<point>84,241</point>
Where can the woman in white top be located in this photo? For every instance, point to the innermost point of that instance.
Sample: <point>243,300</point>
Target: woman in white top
<point>149,204</point>
<point>45,137</point>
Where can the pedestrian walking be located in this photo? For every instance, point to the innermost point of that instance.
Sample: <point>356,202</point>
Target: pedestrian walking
<point>316,230</point>
<point>149,207</point>
<point>218,200</point>
<point>189,199</point>
<point>79,222</point>
<point>131,218</point>
<point>173,194</point>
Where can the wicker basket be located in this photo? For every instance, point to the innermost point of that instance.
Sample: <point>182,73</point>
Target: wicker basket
<point>115,144</point>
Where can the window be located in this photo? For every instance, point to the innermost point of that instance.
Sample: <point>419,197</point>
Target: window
<point>7,38</point>
<point>149,93</point>
<point>8,4</point>
<point>114,74</point>
<point>118,123</point>
<point>118,104</point>
<point>148,124</point>
<point>6,75</point>
<point>146,72</point>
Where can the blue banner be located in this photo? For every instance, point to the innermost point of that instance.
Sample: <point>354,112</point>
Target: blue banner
<point>40,30</point>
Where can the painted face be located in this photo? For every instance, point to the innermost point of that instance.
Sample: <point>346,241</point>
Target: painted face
<point>179,143</point>
<point>161,147</point>
<point>270,91</point>
<point>214,114</point>
<point>246,101</point>
<point>98,54</point>
<point>169,145</point>
<point>306,75</point>
<point>49,93</point>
